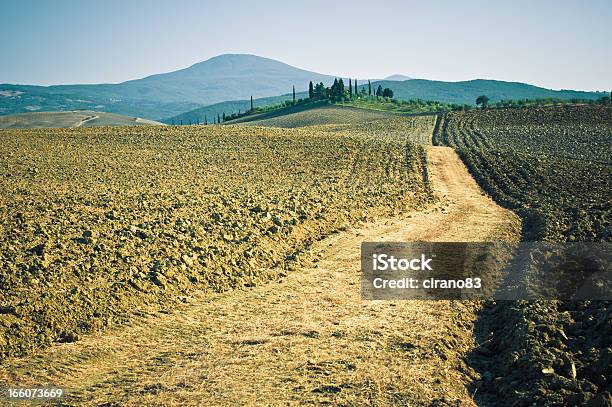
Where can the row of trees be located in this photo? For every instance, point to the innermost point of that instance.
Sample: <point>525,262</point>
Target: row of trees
<point>483,102</point>
<point>337,91</point>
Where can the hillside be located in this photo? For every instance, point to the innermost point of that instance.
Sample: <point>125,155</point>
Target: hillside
<point>445,92</point>
<point>218,79</point>
<point>28,98</point>
<point>309,115</point>
<point>81,118</point>
<point>466,92</point>
<point>201,114</point>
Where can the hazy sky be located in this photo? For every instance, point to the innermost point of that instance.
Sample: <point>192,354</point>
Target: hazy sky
<point>555,44</point>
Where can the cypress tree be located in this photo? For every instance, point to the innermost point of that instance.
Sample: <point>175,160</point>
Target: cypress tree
<point>218,118</point>
<point>356,91</point>
<point>251,102</point>
<point>379,91</point>
<point>310,90</point>
<point>333,91</point>
<point>350,88</point>
<point>205,120</point>
<point>294,94</point>
<point>223,116</point>
<point>369,88</point>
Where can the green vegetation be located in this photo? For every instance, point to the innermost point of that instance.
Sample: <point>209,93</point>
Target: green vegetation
<point>318,94</point>
<point>466,92</point>
<point>483,101</point>
<point>382,100</point>
<point>525,103</point>
<point>402,106</point>
<point>233,108</point>
<point>338,94</point>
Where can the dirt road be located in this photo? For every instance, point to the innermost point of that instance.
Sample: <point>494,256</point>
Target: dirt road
<point>85,120</point>
<point>306,339</point>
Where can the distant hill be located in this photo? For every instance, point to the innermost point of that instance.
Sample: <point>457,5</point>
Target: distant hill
<point>218,79</point>
<point>227,77</point>
<point>81,118</point>
<point>466,92</point>
<point>397,77</point>
<point>233,106</point>
<point>28,98</point>
<point>236,77</point>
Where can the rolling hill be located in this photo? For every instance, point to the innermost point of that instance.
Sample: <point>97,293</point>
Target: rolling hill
<point>27,98</point>
<point>201,114</point>
<point>466,92</point>
<point>80,118</point>
<point>312,115</point>
<point>447,92</point>
<point>218,79</point>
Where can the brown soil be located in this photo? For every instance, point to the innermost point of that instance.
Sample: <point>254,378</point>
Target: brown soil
<point>308,338</point>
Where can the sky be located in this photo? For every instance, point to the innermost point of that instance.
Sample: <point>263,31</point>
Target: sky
<point>555,44</point>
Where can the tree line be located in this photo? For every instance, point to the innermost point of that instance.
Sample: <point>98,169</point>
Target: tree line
<point>483,102</point>
<point>337,92</point>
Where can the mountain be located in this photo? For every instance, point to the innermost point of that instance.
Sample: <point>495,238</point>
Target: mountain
<point>225,77</point>
<point>397,77</point>
<point>466,92</point>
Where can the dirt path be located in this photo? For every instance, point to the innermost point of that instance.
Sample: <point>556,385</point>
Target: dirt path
<point>306,339</point>
<point>85,120</point>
